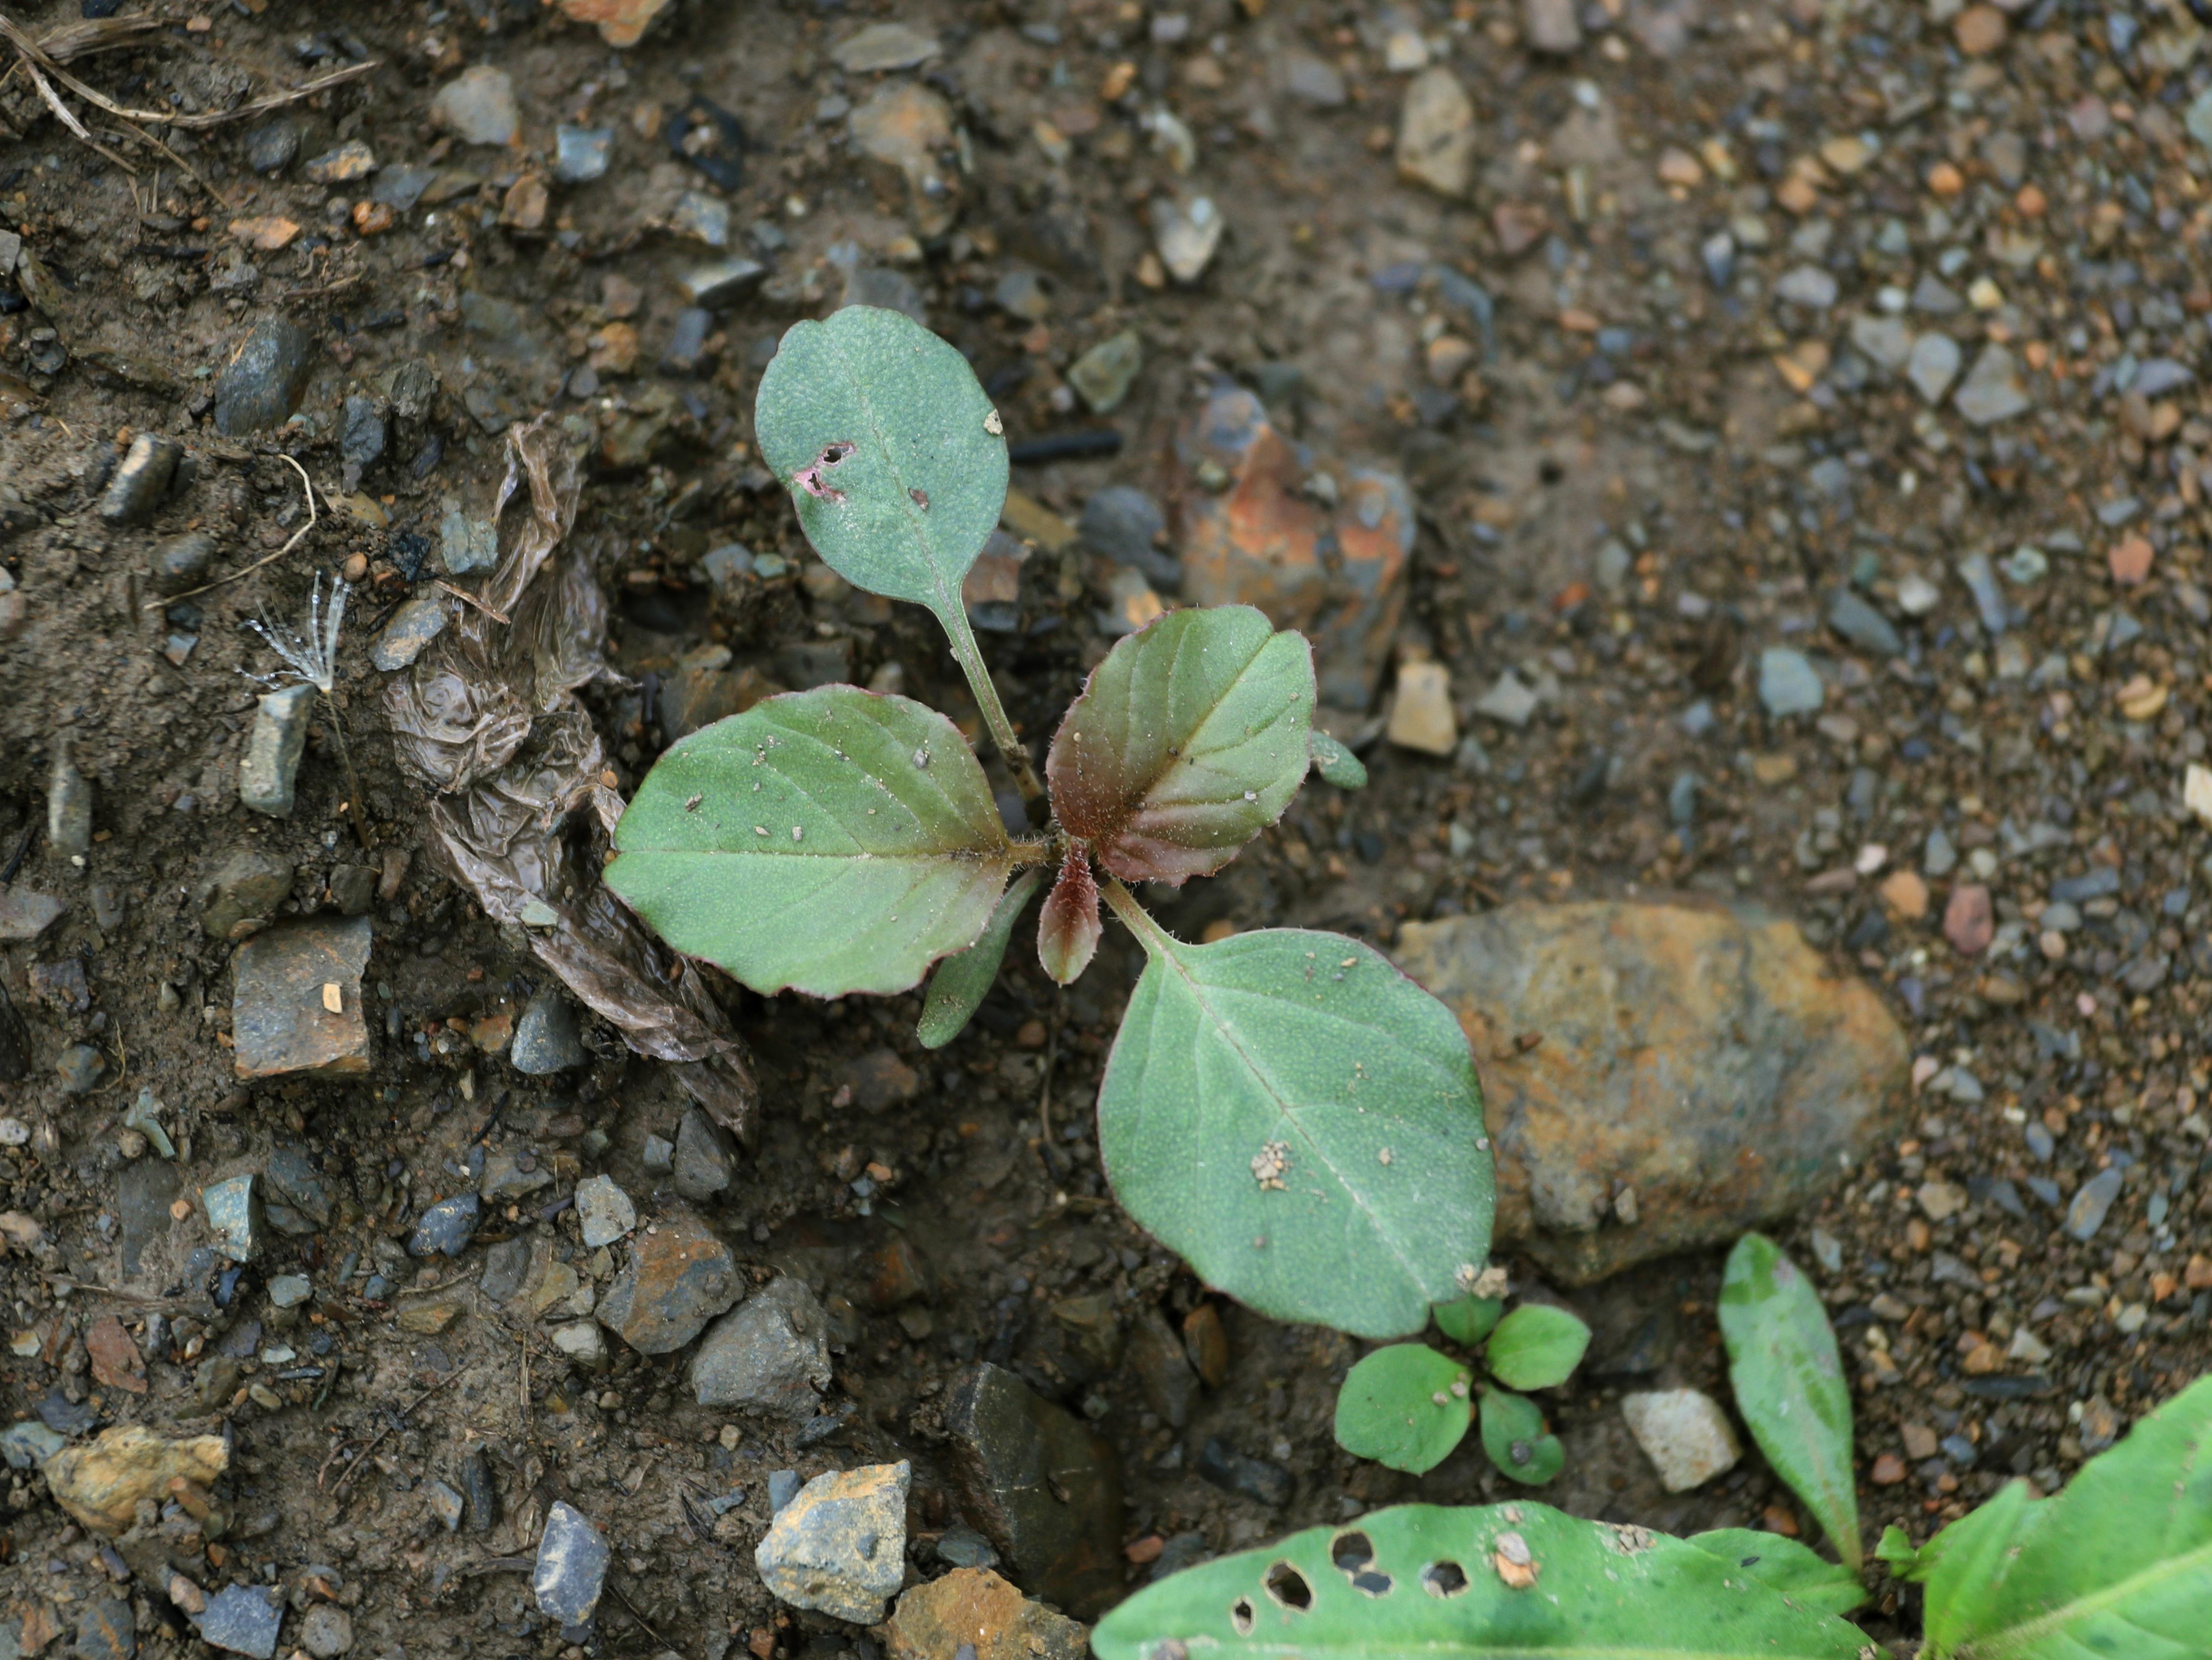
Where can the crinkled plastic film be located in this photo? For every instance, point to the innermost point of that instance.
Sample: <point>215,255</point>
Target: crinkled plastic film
<point>488,719</point>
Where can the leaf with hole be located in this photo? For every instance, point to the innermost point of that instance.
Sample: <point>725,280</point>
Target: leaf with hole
<point>1537,1346</point>
<point>1187,740</point>
<point>1302,1123</point>
<point>963,979</point>
<point>890,450</point>
<point>1405,1406</point>
<point>2118,1562</point>
<point>1467,1320</point>
<point>1790,1384</point>
<point>1514,1436</point>
<point>832,841</point>
<point>1798,1569</point>
<point>1336,764</point>
<point>1518,1580</point>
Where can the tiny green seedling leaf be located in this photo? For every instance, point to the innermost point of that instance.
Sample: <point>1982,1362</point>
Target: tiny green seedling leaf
<point>963,979</point>
<point>1189,739</point>
<point>1896,1548</point>
<point>1068,928</point>
<point>1798,1571</point>
<point>1336,764</point>
<point>1302,1122</point>
<point>1405,1406</point>
<point>1790,1384</point>
<point>1519,1579</point>
<point>1537,1346</point>
<point>1467,1320</point>
<point>1514,1436</point>
<point>832,840</point>
<point>2118,1562</point>
<point>893,455</point>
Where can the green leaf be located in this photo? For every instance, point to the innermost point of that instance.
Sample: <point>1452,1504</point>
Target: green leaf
<point>1188,740</point>
<point>1336,764</point>
<point>909,506</point>
<point>1896,1548</point>
<point>1796,1569</point>
<point>832,840</point>
<point>963,979</point>
<point>1537,1346</point>
<point>2118,1562</point>
<point>1514,1436</point>
<point>1790,1384</point>
<point>1405,1406</point>
<point>1467,1320</point>
<point>1302,1122</point>
<point>1450,1585</point>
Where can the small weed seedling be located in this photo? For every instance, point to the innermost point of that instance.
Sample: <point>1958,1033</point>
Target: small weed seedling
<point>2116,1563</point>
<point>1283,1108</point>
<point>1407,1406</point>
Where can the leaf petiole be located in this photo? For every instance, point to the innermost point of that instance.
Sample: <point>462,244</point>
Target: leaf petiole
<point>969,656</point>
<point>1157,941</point>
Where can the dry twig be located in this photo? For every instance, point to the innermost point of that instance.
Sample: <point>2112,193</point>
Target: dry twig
<point>399,1417</point>
<point>305,485</point>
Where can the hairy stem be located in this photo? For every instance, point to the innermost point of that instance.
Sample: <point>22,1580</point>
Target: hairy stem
<point>1154,938</point>
<point>970,659</point>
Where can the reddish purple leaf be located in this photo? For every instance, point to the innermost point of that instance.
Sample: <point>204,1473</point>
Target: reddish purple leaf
<point>1068,926</point>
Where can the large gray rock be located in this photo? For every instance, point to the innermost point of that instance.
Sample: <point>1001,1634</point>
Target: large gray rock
<point>1705,1059</point>
<point>771,1355</point>
<point>270,767</point>
<point>571,1569</point>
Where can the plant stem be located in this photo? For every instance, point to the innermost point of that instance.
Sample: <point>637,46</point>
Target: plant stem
<point>353,779</point>
<point>1155,939</point>
<point>969,656</point>
<point>1036,850</point>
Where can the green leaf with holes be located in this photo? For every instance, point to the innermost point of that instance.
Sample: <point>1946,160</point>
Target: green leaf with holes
<point>1188,740</point>
<point>831,841</point>
<point>2118,1562</point>
<point>963,979</point>
<point>1467,1320</point>
<point>1405,1406</point>
<point>1519,1579</point>
<point>1302,1122</point>
<point>1537,1346</point>
<point>1336,764</point>
<point>1514,1435</point>
<point>1796,1570</point>
<point>1790,1384</point>
<point>891,452</point>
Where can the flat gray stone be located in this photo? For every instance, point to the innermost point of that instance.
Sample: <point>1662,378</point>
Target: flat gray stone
<point>2092,1200</point>
<point>413,625</point>
<point>771,1355</point>
<point>1509,701</point>
<point>1933,365</point>
<point>295,999</point>
<point>235,1216</point>
<point>1684,1433</point>
<point>69,807</point>
<point>604,1211</point>
<point>477,107</point>
<point>706,1157</point>
<point>889,45</point>
<point>571,1570</point>
<point>467,544</point>
<point>1787,683</point>
<point>243,1619</point>
<point>1993,389</point>
<point>268,773</point>
<point>1808,286</point>
<point>25,915</point>
<point>1859,622</point>
<point>1102,375</point>
<point>248,886</point>
<point>547,1039</point>
<point>447,1226</point>
<point>581,154</point>
<point>1886,341</point>
<point>261,385</point>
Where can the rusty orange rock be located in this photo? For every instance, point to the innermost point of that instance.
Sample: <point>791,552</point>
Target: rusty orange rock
<point>115,1358</point>
<point>973,1610</point>
<point>101,1482</point>
<point>1338,574</point>
<point>621,22</point>
<point>1703,1057</point>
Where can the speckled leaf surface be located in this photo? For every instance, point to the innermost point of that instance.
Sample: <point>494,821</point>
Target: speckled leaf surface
<point>1405,1406</point>
<point>1188,740</point>
<point>1494,1582</point>
<point>832,841</point>
<point>905,512</point>
<point>1515,1437</point>
<point>1790,1384</point>
<point>1792,1568</point>
<point>2118,1562</point>
<point>1302,1122</point>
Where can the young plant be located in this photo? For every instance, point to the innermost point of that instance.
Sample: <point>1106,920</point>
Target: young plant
<point>2119,1563</point>
<point>1407,1406</point>
<point>1283,1108</point>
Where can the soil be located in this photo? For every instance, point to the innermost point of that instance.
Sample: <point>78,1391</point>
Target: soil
<point>1624,504</point>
